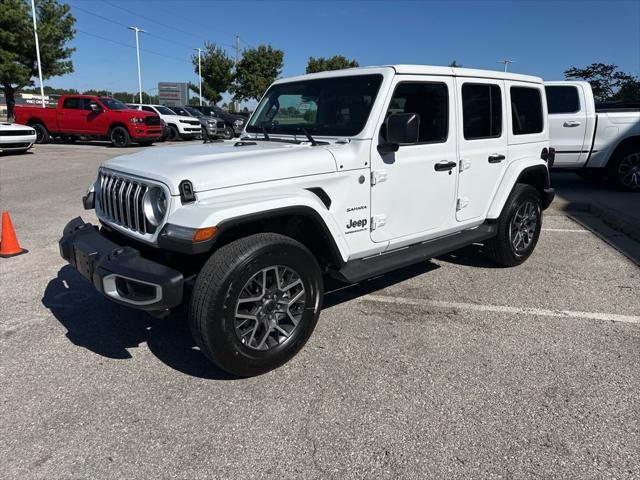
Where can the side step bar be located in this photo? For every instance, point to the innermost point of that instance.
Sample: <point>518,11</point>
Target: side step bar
<point>363,268</point>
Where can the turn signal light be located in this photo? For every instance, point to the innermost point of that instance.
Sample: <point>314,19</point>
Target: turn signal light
<point>204,234</point>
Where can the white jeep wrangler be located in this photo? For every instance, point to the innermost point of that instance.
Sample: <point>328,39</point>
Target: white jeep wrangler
<point>348,173</point>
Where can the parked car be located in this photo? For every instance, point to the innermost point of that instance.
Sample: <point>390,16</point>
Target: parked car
<point>15,138</point>
<point>234,123</point>
<point>212,127</point>
<point>180,126</point>
<point>91,116</point>
<point>594,140</point>
<point>166,131</point>
<point>349,173</point>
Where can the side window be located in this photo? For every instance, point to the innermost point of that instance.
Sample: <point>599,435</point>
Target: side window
<point>481,111</point>
<point>430,101</point>
<point>561,99</point>
<point>526,110</point>
<point>71,102</point>
<point>148,109</point>
<point>85,103</point>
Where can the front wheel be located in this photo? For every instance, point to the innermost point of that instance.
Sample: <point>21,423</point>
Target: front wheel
<point>255,303</point>
<point>624,170</point>
<point>228,132</point>
<point>518,227</point>
<point>120,137</point>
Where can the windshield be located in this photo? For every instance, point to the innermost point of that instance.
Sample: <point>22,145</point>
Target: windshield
<point>337,106</point>
<point>164,110</point>
<point>193,111</point>
<point>113,104</point>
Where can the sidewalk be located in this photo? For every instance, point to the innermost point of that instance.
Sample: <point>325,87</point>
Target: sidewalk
<point>619,210</point>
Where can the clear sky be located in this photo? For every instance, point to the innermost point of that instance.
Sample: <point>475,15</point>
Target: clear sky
<point>542,37</point>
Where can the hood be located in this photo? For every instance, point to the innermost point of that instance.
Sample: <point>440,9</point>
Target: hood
<point>220,165</point>
<point>178,118</point>
<point>6,126</point>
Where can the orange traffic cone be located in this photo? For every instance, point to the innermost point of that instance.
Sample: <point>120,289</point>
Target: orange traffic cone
<point>9,247</point>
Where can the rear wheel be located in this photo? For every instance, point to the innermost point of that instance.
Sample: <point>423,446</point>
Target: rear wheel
<point>624,170</point>
<point>255,303</point>
<point>42,134</point>
<point>518,227</point>
<point>120,137</point>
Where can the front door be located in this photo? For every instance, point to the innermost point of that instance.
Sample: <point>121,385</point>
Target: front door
<point>413,189</point>
<point>482,131</point>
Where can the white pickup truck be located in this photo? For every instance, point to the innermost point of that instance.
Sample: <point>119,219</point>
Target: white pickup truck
<point>602,140</point>
<point>180,126</point>
<point>349,173</point>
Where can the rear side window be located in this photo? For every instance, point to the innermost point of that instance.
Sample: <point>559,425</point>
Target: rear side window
<point>562,99</point>
<point>526,110</point>
<point>481,111</point>
<point>71,102</point>
<point>148,109</point>
<point>430,101</point>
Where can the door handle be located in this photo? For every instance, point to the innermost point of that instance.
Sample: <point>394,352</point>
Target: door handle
<point>496,158</point>
<point>572,123</point>
<point>444,166</point>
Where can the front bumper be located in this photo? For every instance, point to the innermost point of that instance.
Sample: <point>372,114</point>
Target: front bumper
<point>16,142</point>
<point>143,132</point>
<point>120,272</point>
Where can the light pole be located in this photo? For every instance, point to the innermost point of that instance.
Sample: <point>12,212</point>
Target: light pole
<point>35,32</point>
<point>137,30</point>
<point>505,62</point>
<point>200,72</point>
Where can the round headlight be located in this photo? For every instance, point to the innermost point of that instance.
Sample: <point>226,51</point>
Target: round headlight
<point>155,205</point>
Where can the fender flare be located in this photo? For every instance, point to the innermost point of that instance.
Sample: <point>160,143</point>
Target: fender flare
<point>515,171</point>
<point>226,215</point>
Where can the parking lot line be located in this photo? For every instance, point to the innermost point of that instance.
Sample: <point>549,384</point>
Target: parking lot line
<point>504,309</point>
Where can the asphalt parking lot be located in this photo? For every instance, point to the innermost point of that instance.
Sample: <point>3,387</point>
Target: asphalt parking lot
<point>449,369</point>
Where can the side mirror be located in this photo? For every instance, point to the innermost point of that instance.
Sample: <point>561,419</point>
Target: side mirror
<point>95,107</point>
<point>402,129</point>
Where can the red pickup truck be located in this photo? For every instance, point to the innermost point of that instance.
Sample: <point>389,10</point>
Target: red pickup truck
<point>91,116</point>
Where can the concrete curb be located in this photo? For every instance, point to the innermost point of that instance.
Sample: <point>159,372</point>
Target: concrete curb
<point>617,220</point>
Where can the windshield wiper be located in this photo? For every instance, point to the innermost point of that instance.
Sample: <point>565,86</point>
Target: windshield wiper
<point>264,132</point>
<point>308,135</point>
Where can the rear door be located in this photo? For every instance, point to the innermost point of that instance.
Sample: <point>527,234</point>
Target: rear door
<point>567,123</point>
<point>71,117</point>
<point>482,130</point>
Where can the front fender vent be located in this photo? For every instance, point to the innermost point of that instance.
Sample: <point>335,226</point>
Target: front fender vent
<point>322,195</point>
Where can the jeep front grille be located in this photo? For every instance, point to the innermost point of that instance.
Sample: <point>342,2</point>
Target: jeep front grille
<point>121,201</point>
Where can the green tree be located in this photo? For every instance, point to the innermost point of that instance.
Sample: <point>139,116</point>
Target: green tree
<point>257,69</point>
<point>337,62</point>
<point>217,72</point>
<point>607,81</point>
<point>18,63</point>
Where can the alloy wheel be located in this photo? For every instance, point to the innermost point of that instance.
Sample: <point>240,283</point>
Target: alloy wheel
<point>269,308</point>
<point>629,171</point>
<point>523,226</point>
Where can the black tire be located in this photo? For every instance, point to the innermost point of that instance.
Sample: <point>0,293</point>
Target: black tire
<point>174,134</point>
<point>215,303</point>
<point>42,134</point>
<point>120,137</point>
<point>623,170</point>
<point>228,132</point>
<point>501,248</point>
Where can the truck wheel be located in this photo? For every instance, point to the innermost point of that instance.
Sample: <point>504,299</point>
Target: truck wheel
<point>623,171</point>
<point>174,134</point>
<point>119,137</point>
<point>255,303</point>
<point>518,227</point>
<point>228,132</point>
<point>42,134</point>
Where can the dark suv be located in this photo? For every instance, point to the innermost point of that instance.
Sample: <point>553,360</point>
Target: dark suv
<point>234,123</point>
